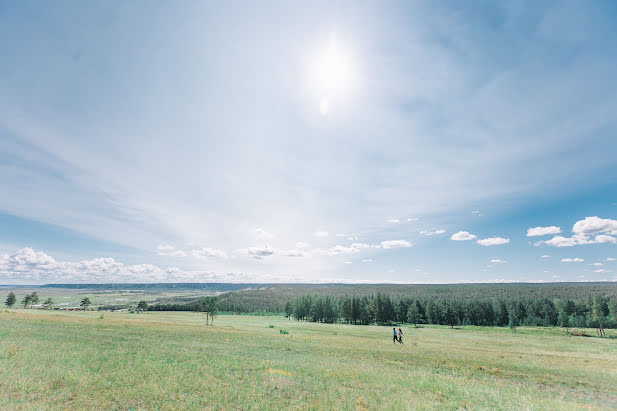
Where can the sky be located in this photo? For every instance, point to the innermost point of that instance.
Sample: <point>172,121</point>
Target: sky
<point>411,142</point>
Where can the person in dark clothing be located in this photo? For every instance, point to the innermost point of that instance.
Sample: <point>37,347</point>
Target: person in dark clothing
<point>394,337</point>
<point>400,336</point>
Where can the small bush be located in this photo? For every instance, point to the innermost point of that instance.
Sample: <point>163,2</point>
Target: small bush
<point>283,332</point>
<point>270,326</point>
<point>13,349</point>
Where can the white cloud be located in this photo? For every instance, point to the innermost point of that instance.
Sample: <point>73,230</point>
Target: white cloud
<point>347,262</point>
<point>600,271</point>
<point>301,244</point>
<point>168,250</point>
<point>477,213</point>
<point>597,264</point>
<point>487,242</point>
<point>294,253</point>
<point>261,252</point>
<point>602,239</point>
<point>593,225</point>
<point>497,260</point>
<point>462,236</point>
<point>395,244</point>
<point>545,256</point>
<point>540,231</point>
<point>205,253</point>
<point>35,267</point>
<point>577,239</point>
<point>340,235</point>
<point>394,220</point>
<point>341,249</point>
<point>367,260</point>
<point>583,230</point>
<point>556,276</point>
<point>610,259</point>
<point>263,234</point>
<point>572,260</point>
<point>434,232</point>
<point>412,219</point>
<point>321,234</point>
<point>27,266</point>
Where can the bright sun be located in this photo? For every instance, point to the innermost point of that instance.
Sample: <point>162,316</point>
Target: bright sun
<point>331,76</point>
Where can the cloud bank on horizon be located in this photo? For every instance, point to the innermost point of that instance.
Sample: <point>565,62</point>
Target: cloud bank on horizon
<point>308,142</point>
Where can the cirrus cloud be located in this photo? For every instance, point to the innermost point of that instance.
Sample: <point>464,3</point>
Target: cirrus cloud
<point>572,260</point>
<point>433,232</point>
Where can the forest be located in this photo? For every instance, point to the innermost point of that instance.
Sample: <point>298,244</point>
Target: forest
<point>587,305</point>
<point>272,299</point>
<point>598,312</point>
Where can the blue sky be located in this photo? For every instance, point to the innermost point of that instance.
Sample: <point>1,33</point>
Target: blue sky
<point>324,141</point>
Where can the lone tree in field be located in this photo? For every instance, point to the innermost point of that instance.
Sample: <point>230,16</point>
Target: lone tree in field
<point>26,300</point>
<point>209,305</point>
<point>142,305</point>
<point>289,309</point>
<point>34,299</point>
<point>48,303</point>
<point>85,303</point>
<point>10,300</point>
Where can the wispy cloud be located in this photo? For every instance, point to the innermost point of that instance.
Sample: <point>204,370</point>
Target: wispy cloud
<point>206,253</point>
<point>263,234</point>
<point>432,232</point>
<point>395,244</point>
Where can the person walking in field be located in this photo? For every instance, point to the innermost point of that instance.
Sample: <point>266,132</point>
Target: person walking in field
<point>400,336</point>
<point>394,338</point>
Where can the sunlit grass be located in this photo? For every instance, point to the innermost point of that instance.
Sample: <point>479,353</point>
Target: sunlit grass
<point>172,360</point>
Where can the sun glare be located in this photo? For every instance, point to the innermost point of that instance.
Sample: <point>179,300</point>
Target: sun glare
<point>331,76</point>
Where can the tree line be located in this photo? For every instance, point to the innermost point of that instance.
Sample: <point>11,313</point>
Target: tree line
<point>598,312</point>
<point>207,305</point>
<point>33,298</point>
<point>272,299</point>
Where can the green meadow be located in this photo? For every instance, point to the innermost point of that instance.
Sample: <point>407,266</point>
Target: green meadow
<point>89,360</point>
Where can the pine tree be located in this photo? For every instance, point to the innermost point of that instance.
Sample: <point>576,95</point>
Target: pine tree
<point>413,314</point>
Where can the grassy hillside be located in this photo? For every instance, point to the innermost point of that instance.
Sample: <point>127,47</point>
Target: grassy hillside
<point>172,360</point>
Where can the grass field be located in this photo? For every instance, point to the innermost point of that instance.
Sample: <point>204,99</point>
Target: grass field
<point>172,360</point>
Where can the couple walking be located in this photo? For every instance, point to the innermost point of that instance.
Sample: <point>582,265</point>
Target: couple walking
<point>396,338</point>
